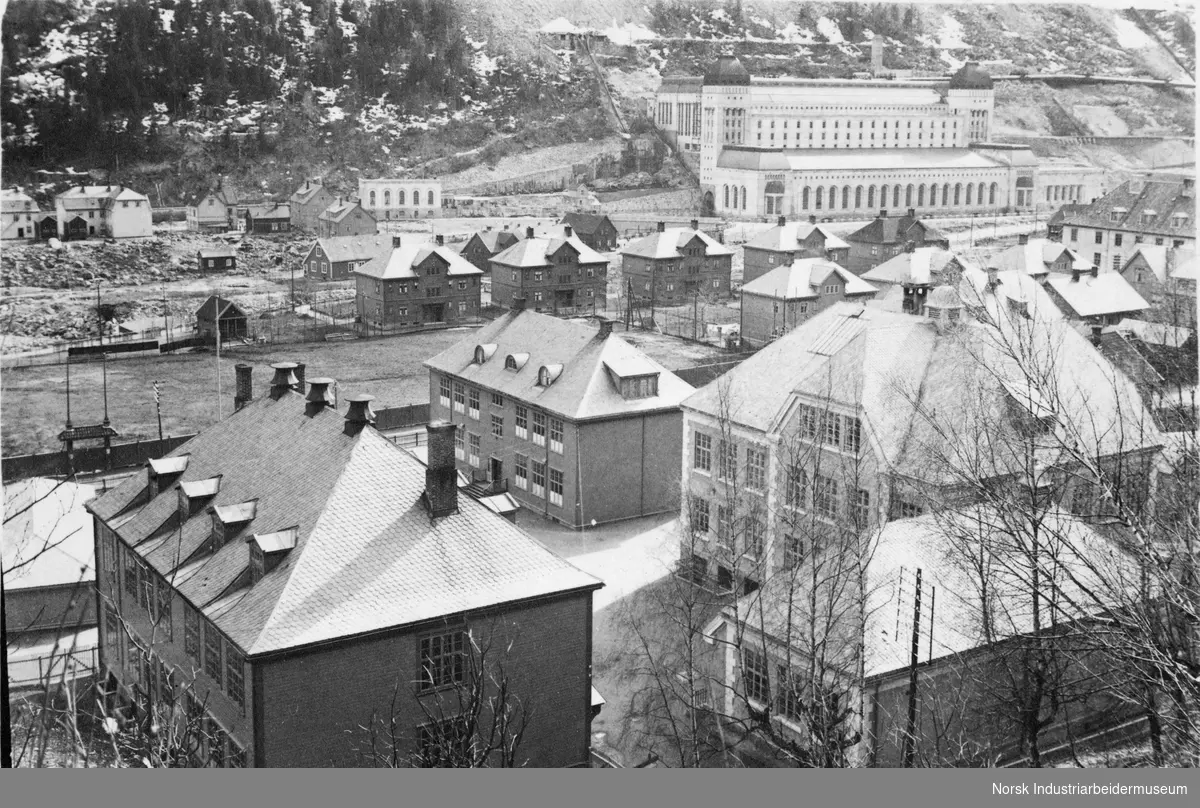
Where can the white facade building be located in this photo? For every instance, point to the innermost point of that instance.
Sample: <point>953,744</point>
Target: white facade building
<point>400,199</point>
<point>843,148</point>
<point>111,211</point>
<point>20,214</point>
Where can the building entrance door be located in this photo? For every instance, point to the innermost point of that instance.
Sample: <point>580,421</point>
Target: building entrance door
<point>495,469</point>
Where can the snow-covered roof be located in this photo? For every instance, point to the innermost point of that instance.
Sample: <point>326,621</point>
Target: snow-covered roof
<point>560,25</point>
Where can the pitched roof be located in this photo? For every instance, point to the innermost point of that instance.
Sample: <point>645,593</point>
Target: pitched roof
<point>1154,257</point>
<point>305,193</point>
<point>1036,257</point>
<point>13,200</point>
<point>894,230</point>
<point>1185,266</point>
<point>897,368</point>
<point>494,240</point>
<point>1155,333</point>
<point>585,222</point>
<point>1140,206</point>
<point>584,389</point>
<point>399,262</point>
<point>922,266</point>
<point>560,25</point>
<point>338,211</point>
<point>367,556</point>
<point>791,235</point>
<point>216,252</point>
<point>803,279</point>
<point>352,248</point>
<point>537,251</point>
<point>667,243</point>
<point>270,211</point>
<point>727,70</point>
<point>227,308</point>
<point>1108,293</point>
<point>99,194</point>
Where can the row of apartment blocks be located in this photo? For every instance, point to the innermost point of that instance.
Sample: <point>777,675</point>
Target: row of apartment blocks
<point>80,212</point>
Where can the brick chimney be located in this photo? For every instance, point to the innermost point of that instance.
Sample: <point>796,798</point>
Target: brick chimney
<point>299,371</point>
<point>695,224</point>
<point>440,239</point>
<point>395,242</point>
<point>285,379</point>
<point>782,221</point>
<point>662,227</point>
<point>567,230</point>
<point>1023,238</point>
<point>993,278</point>
<point>244,391</point>
<point>1094,272</point>
<point>358,413</point>
<point>441,478</point>
<point>910,246</point>
<point>883,214</point>
<point>518,303</point>
<point>812,218</point>
<point>319,395</point>
<point>528,232</point>
<point>605,328</point>
<point>1097,332</point>
<point>1075,273</point>
<point>912,213</point>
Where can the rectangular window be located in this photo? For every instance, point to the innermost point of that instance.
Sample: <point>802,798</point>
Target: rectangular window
<point>445,743</point>
<point>826,498</point>
<point>473,450</point>
<point>109,549</point>
<point>444,397</point>
<point>727,461</point>
<point>522,425</point>
<point>852,434</point>
<point>862,508</point>
<point>793,551</point>
<point>797,487</point>
<point>725,526</point>
<point>1099,236</point>
<point>810,420</point>
<point>1118,238</point>
<point>521,464</point>
<point>754,676</point>
<point>539,428</point>
<point>699,516</point>
<point>702,459</point>
<point>131,571</point>
<point>831,433</point>
<point>473,403</point>
<point>237,756</point>
<point>539,479</point>
<point>234,674</point>
<point>191,633</point>
<point>1096,259</point>
<point>460,397</point>
<point>112,637</point>
<point>497,400</point>
<point>460,445</point>
<point>790,703</point>
<point>556,487</point>
<point>212,652</point>
<point>906,509</point>
<point>165,595</point>
<point>556,435</point>
<point>756,469</point>
<point>443,659</point>
<point>1074,234</point>
<point>497,425</point>
<point>755,535</point>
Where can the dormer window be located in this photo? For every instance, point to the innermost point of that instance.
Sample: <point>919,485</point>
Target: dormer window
<point>548,374</point>
<point>268,549</point>
<point>639,387</point>
<point>484,352</point>
<point>1117,214</point>
<point>1148,216</point>
<point>515,362</point>
<point>227,520</point>
<point>1179,220</point>
<point>164,471</point>
<point>194,494</point>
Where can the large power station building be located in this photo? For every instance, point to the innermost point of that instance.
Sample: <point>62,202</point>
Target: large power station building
<point>841,148</point>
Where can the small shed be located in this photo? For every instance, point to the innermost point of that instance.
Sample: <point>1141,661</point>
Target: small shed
<point>217,312</point>
<point>213,259</point>
<point>266,219</point>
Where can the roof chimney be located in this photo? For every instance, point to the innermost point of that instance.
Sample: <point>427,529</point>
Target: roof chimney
<point>528,232</point>
<point>299,371</point>
<point>910,246</point>
<point>441,478</point>
<point>912,213</point>
<point>395,242</point>
<point>662,227</point>
<point>1075,273</point>
<point>605,328</point>
<point>440,239</point>
<point>319,395</point>
<point>567,230</point>
<point>244,391</point>
<point>883,214</point>
<point>284,379</point>
<point>695,224</point>
<point>782,221</point>
<point>358,414</point>
<point>812,218</point>
<point>1097,331</point>
<point>993,278</point>
<point>1023,238</point>
<point>518,303</point>
<point>1094,272</point>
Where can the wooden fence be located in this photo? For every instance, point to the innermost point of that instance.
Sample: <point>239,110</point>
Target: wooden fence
<point>88,459</point>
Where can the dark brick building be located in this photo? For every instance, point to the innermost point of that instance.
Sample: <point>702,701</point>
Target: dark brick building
<point>290,575</point>
<point>787,241</point>
<point>336,258</point>
<point>308,202</point>
<point>594,229</point>
<point>415,284</point>
<point>673,265</point>
<point>886,237</point>
<point>485,245</point>
<point>268,219</point>
<point>572,421</point>
<point>555,274</point>
<point>346,218</point>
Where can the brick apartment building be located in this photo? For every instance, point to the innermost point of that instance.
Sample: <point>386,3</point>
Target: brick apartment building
<point>485,245</point>
<point>290,575</point>
<point>594,229</point>
<point>552,273</point>
<point>788,295</point>
<point>673,265</point>
<point>415,284</point>
<point>787,241</point>
<point>885,237</point>
<point>336,258</point>
<point>571,420</point>
<point>308,202</point>
<point>346,218</point>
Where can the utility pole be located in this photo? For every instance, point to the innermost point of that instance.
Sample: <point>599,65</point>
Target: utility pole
<point>166,327</point>
<point>158,410</point>
<point>911,729</point>
<point>99,316</point>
